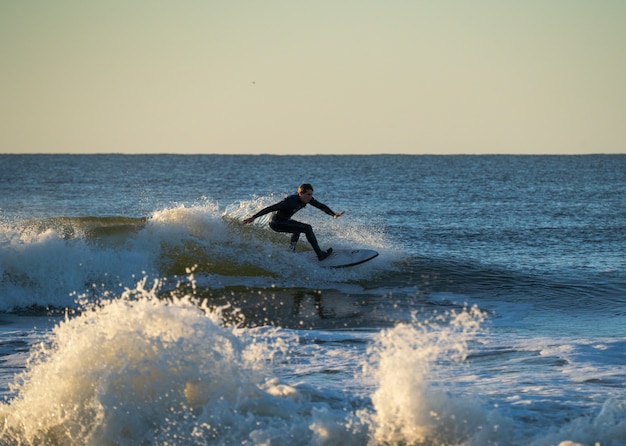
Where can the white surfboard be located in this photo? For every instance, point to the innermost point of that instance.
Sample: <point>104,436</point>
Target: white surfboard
<point>341,258</point>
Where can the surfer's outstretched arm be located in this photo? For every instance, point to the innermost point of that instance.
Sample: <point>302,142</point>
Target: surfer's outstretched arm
<point>264,211</point>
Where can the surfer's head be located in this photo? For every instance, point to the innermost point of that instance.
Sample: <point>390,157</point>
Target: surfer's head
<point>305,187</point>
<point>305,192</point>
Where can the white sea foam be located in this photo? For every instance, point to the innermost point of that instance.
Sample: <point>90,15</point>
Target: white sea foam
<point>43,268</point>
<point>413,402</point>
<point>142,370</point>
<point>139,370</point>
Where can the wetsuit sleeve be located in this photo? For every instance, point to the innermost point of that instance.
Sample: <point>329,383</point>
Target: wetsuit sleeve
<point>267,210</point>
<point>321,207</point>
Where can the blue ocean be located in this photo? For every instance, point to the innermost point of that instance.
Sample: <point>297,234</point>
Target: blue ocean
<point>137,309</point>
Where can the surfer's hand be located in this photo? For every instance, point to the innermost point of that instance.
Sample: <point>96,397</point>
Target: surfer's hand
<point>339,214</point>
<point>248,220</point>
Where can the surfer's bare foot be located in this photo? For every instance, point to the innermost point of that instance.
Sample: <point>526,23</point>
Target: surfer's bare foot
<point>324,254</point>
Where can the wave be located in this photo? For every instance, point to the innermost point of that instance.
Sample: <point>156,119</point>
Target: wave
<point>49,262</point>
<point>90,228</point>
<point>55,263</point>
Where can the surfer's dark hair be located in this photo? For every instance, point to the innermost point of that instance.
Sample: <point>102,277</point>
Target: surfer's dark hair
<point>305,187</point>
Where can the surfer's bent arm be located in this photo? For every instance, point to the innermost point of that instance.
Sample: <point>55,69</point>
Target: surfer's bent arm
<point>324,208</point>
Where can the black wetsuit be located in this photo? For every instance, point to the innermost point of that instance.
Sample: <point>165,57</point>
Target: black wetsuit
<point>281,220</point>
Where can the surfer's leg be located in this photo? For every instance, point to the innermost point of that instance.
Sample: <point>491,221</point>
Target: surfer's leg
<point>294,240</point>
<point>296,228</point>
<point>310,236</point>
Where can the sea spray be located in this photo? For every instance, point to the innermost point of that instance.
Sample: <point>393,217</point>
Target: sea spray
<point>139,369</point>
<point>143,369</point>
<point>130,369</point>
<point>43,265</point>
<point>347,232</point>
<point>415,400</point>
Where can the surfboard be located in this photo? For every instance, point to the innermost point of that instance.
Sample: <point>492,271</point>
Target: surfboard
<point>342,258</point>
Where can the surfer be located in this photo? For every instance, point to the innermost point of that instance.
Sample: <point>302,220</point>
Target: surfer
<point>283,211</point>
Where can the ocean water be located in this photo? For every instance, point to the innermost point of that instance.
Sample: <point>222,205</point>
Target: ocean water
<point>136,309</point>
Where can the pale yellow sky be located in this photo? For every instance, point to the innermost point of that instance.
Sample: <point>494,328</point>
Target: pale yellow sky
<point>313,77</point>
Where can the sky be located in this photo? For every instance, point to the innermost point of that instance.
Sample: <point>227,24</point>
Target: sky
<point>313,77</point>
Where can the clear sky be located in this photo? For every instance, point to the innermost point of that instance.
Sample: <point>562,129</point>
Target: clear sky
<point>313,77</point>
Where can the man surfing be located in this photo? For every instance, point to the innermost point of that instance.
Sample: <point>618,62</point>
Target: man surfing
<point>283,211</point>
